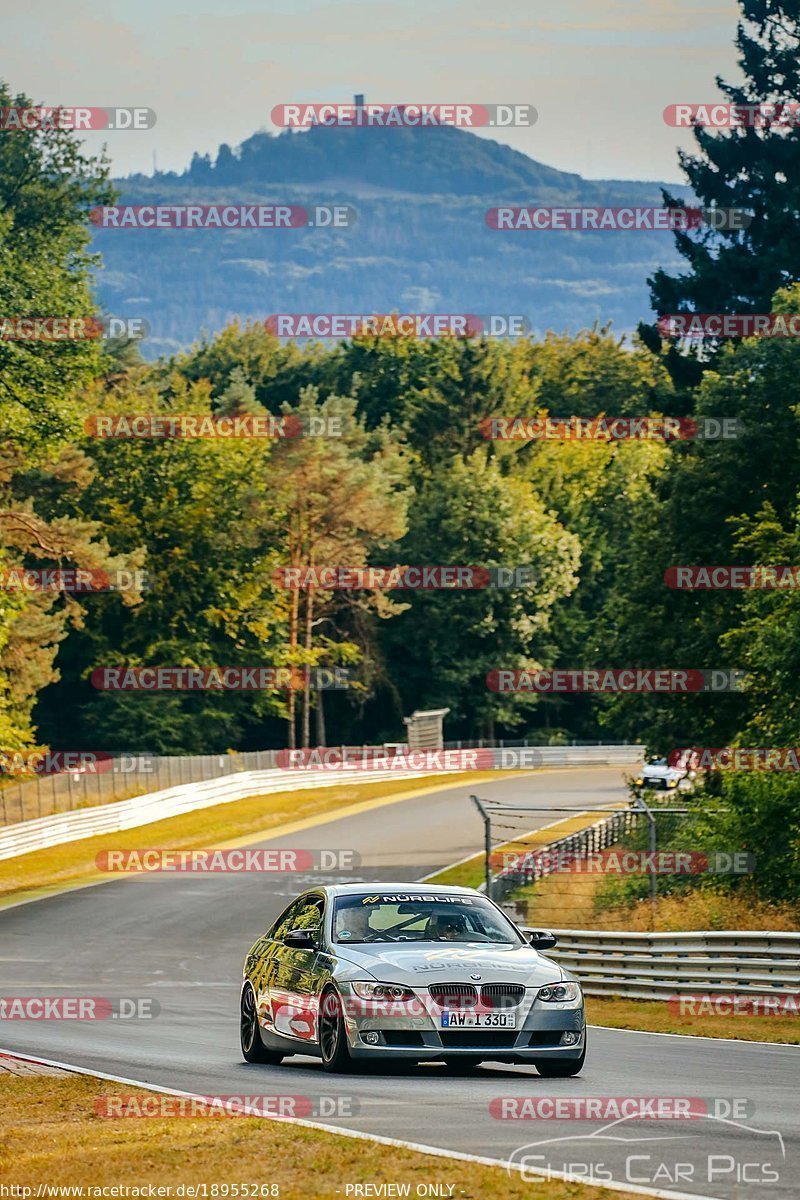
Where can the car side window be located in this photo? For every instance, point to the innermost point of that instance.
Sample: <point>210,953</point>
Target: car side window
<point>309,916</point>
<point>285,921</point>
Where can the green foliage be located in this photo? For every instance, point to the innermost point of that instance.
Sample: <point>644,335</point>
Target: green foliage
<point>752,168</point>
<point>466,512</point>
<point>46,189</point>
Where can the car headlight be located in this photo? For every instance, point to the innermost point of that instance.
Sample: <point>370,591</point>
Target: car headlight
<point>382,991</point>
<point>640,781</point>
<point>559,991</point>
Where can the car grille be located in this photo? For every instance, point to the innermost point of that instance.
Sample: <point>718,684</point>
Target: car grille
<point>454,995</point>
<point>502,995</point>
<point>478,1039</point>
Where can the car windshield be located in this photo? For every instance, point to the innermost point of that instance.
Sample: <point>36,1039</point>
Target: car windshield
<point>420,918</point>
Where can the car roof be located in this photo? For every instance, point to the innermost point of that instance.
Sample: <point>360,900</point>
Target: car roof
<point>403,887</point>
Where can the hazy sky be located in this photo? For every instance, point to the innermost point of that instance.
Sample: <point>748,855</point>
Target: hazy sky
<point>600,72</point>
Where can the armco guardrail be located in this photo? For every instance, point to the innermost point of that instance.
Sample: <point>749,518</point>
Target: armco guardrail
<point>589,756</point>
<point>42,832</point>
<point>655,966</point>
<point>127,775</point>
<point>132,774</point>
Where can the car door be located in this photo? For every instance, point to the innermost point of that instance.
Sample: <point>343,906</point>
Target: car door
<point>264,972</point>
<point>294,978</point>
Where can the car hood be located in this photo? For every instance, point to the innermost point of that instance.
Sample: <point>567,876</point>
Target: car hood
<point>660,772</point>
<point>432,962</point>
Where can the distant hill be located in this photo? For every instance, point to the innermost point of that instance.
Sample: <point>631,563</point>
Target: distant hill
<point>420,242</point>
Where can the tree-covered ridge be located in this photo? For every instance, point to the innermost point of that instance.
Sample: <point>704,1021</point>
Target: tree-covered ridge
<point>420,243</point>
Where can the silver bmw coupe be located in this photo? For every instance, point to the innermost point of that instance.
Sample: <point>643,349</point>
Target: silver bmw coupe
<point>408,971</point>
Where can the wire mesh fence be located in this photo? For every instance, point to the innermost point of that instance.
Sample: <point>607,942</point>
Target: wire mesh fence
<point>117,777</point>
<point>582,868</point>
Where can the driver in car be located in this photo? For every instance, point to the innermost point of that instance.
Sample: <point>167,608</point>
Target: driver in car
<point>449,927</point>
<point>354,925</point>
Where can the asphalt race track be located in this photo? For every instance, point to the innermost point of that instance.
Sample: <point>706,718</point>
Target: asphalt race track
<point>180,939</point>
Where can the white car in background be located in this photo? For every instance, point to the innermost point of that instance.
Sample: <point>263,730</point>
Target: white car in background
<point>660,776</point>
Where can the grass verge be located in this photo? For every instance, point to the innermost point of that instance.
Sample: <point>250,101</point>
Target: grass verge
<point>50,1134</point>
<point>572,900</point>
<point>73,863</point>
<point>653,1016</point>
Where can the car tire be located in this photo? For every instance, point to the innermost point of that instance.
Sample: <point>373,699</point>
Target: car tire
<point>253,1049</point>
<point>333,1048</point>
<point>561,1068</point>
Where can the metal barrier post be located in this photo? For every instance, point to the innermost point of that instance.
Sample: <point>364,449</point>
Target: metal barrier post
<point>653,845</point>
<point>487,843</point>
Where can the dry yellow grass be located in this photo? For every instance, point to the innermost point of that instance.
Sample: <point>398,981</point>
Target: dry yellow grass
<point>654,1016</point>
<point>570,901</point>
<point>708,910</point>
<point>50,1134</point>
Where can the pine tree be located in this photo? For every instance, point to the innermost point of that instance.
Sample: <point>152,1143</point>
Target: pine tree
<point>239,397</point>
<point>754,167</point>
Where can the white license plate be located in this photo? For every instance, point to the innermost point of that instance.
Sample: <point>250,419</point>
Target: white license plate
<point>471,1020</point>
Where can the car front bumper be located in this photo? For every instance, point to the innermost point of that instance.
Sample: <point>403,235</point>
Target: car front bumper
<point>538,1034</point>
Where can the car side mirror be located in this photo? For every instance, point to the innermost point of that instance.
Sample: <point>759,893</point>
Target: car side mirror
<point>541,939</point>
<point>300,939</point>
